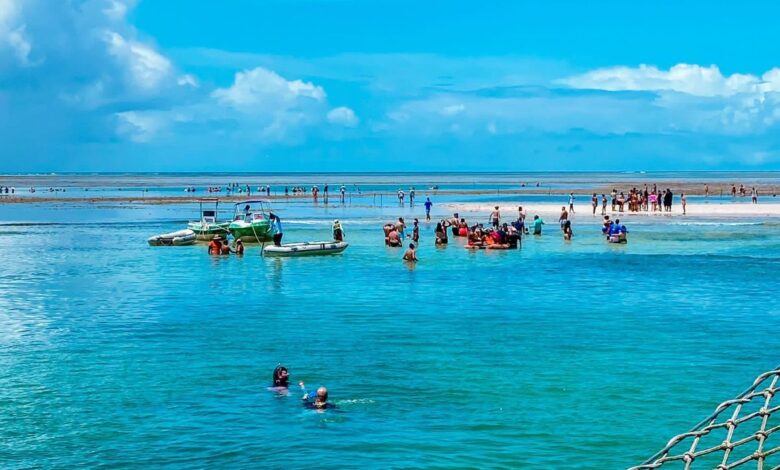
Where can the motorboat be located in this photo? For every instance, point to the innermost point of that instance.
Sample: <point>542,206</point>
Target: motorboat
<point>250,221</point>
<point>209,227</point>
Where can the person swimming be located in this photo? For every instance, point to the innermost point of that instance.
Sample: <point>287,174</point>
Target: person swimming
<point>281,377</point>
<point>316,400</point>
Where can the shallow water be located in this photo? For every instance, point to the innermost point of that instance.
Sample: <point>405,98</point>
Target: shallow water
<point>557,355</point>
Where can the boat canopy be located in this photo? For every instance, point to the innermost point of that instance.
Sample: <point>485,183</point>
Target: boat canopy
<point>254,201</point>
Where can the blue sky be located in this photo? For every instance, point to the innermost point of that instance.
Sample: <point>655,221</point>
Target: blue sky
<point>340,85</point>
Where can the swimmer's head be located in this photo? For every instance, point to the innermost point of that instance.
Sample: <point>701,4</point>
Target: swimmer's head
<point>281,376</point>
<point>496,207</point>
<point>322,395</point>
<point>411,245</point>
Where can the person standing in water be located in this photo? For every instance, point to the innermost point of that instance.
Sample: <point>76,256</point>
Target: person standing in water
<point>400,227</point>
<point>567,232</point>
<point>564,217</point>
<point>571,203</point>
<point>215,246</point>
<point>411,254</point>
<point>416,231</point>
<point>683,201</point>
<point>594,201</point>
<point>276,229</point>
<point>754,195</point>
<point>538,222</point>
<point>411,196</point>
<point>428,205</point>
<point>603,204</point>
<point>495,217</point>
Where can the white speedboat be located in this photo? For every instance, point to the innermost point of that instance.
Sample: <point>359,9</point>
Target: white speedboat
<point>178,238</point>
<point>330,247</point>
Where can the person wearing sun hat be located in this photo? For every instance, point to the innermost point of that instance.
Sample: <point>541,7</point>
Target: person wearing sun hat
<point>215,246</point>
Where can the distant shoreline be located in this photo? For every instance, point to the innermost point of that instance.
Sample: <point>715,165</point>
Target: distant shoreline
<point>719,193</point>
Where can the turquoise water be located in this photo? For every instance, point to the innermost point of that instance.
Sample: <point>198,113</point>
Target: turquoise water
<point>558,355</point>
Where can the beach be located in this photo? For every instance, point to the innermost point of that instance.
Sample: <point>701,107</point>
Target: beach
<point>538,357</point>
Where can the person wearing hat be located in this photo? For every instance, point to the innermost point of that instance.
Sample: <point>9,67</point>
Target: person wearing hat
<point>338,232</point>
<point>215,246</point>
<point>239,247</point>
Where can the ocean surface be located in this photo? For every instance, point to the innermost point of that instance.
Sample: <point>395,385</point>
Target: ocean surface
<point>580,354</point>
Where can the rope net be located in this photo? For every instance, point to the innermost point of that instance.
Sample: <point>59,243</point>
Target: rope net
<point>741,433</point>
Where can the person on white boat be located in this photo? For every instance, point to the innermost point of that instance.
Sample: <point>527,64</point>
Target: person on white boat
<point>276,228</point>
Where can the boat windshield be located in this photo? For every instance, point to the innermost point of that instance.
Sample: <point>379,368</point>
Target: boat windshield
<point>251,211</point>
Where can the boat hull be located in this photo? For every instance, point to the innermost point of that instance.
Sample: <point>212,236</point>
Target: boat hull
<point>321,248</point>
<point>206,232</point>
<point>180,238</point>
<point>251,232</point>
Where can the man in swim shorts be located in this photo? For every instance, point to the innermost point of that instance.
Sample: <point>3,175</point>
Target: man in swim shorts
<point>495,217</point>
<point>428,205</point>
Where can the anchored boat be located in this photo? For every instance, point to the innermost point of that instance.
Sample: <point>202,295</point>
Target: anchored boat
<point>209,227</point>
<point>179,238</point>
<point>250,221</point>
<point>331,247</point>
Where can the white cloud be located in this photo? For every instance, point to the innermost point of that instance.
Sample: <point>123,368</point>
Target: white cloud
<point>684,78</point>
<point>262,90</point>
<point>187,80</point>
<point>140,127</point>
<point>343,116</point>
<point>117,10</point>
<point>12,31</point>
<point>146,69</point>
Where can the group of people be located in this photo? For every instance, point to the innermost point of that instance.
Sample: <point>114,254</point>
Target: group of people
<point>614,230</point>
<point>743,192</point>
<point>315,192</point>
<point>316,399</point>
<point>221,246</point>
<point>7,190</point>
<point>401,195</point>
<point>638,200</point>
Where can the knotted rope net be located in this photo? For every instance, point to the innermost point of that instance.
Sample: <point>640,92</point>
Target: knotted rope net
<point>740,433</point>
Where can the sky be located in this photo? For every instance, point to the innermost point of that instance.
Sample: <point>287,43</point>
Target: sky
<point>343,85</point>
